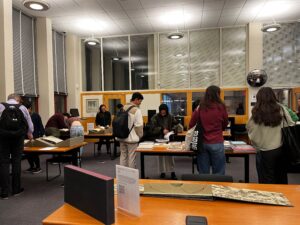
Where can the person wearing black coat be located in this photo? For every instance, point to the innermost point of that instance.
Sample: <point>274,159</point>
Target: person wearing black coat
<point>103,118</point>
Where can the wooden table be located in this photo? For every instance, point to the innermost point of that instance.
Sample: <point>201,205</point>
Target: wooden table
<point>108,137</point>
<point>59,151</point>
<point>171,211</point>
<point>144,152</point>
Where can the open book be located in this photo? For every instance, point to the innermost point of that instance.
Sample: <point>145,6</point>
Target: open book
<point>52,139</point>
<point>208,191</point>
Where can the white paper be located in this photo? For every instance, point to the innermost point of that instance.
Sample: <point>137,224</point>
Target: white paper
<point>90,126</point>
<point>128,189</point>
<point>167,135</point>
<point>48,148</point>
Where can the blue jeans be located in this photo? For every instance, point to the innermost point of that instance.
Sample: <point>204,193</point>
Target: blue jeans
<point>212,155</point>
<point>76,131</point>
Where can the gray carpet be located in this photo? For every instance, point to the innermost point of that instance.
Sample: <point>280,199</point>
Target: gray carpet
<point>41,198</point>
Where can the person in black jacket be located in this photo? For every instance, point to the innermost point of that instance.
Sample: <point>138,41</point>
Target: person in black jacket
<point>103,118</point>
<point>39,131</point>
<point>161,124</point>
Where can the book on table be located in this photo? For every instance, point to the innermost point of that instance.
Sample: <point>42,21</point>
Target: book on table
<point>211,191</point>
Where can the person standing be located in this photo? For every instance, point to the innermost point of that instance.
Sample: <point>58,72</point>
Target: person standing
<point>135,124</point>
<point>103,118</point>
<point>264,131</point>
<point>161,124</point>
<point>39,131</point>
<point>214,119</point>
<point>11,147</point>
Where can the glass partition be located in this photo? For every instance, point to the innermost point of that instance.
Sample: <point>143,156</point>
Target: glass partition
<point>93,68</point>
<point>173,62</point>
<point>176,103</point>
<point>205,58</point>
<point>142,62</point>
<point>235,102</point>
<point>233,56</point>
<point>116,63</point>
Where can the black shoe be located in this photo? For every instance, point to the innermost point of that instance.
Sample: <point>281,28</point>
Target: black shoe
<point>4,196</point>
<point>29,170</point>
<point>162,175</point>
<point>18,192</point>
<point>173,176</point>
<point>37,170</point>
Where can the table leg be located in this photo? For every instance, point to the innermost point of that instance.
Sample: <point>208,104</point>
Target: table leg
<point>142,166</point>
<point>246,158</point>
<point>75,153</point>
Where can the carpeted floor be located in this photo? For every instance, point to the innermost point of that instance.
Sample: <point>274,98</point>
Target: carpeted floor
<point>41,198</point>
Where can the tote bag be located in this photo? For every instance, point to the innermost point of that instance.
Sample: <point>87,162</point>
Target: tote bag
<point>197,137</point>
<point>291,142</point>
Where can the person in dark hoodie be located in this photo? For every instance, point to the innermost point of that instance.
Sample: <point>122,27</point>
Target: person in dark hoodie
<point>161,124</point>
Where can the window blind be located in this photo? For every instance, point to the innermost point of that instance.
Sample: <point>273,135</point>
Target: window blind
<point>59,64</point>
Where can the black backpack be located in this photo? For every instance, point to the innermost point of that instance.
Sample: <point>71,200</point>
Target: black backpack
<point>120,124</point>
<point>12,121</point>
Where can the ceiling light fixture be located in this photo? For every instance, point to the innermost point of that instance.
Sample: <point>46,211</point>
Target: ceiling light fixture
<point>91,41</point>
<point>37,5</point>
<point>175,35</point>
<point>271,27</point>
<point>116,58</point>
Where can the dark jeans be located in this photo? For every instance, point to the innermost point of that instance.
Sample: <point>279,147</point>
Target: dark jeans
<point>271,166</point>
<point>11,151</point>
<point>212,156</point>
<point>105,141</point>
<point>33,160</point>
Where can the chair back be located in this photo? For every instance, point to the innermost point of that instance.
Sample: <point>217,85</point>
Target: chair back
<point>207,177</point>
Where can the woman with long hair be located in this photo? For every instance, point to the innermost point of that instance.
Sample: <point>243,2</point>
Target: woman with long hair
<point>264,130</point>
<point>214,119</point>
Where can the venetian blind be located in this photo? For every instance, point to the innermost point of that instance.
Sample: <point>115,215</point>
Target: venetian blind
<point>25,79</point>
<point>59,63</point>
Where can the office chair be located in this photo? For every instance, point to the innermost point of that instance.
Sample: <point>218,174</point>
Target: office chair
<point>58,160</point>
<point>207,177</point>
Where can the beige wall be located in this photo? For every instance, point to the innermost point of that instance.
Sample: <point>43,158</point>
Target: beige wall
<point>44,56</point>
<point>255,55</point>
<point>6,50</point>
<point>73,71</point>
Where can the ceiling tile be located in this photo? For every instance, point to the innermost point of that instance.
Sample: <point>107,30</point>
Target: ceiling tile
<point>131,4</point>
<point>213,4</point>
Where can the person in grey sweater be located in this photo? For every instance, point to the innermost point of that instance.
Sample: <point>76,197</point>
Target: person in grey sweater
<point>264,130</point>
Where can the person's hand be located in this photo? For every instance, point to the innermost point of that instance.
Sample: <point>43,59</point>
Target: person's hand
<point>165,131</point>
<point>30,136</point>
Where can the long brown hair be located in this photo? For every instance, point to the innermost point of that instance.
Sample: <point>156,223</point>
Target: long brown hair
<point>266,110</point>
<point>212,96</point>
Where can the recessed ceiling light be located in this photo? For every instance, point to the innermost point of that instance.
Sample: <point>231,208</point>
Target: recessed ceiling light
<point>37,5</point>
<point>116,58</point>
<point>271,27</point>
<point>175,35</point>
<point>91,41</point>
<point>179,54</point>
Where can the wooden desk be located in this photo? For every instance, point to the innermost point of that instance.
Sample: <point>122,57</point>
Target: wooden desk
<point>168,211</point>
<point>108,137</point>
<point>226,133</point>
<point>144,152</point>
<point>71,150</point>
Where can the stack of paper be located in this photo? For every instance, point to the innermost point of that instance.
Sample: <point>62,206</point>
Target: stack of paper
<point>146,145</point>
<point>243,148</point>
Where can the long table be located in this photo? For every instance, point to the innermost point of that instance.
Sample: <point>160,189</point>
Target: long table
<point>59,151</point>
<point>165,211</point>
<point>145,152</point>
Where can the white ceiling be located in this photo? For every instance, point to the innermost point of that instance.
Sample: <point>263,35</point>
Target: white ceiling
<point>117,17</point>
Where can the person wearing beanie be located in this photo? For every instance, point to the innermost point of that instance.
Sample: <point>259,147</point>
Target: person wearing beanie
<point>161,124</point>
